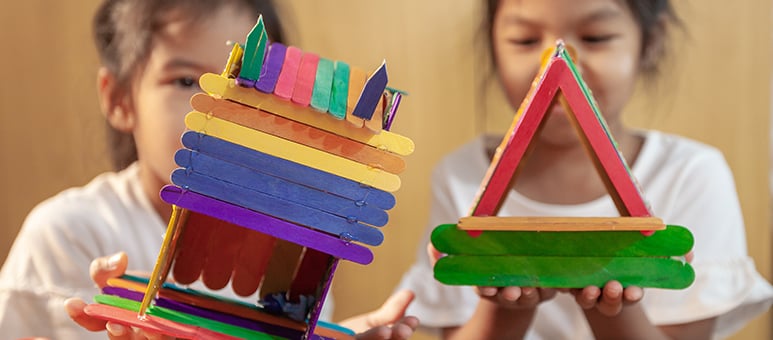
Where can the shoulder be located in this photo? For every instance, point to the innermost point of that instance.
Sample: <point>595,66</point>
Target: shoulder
<point>83,221</point>
<point>666,158</point>
<point>468,161</point>
<point>670,148</point>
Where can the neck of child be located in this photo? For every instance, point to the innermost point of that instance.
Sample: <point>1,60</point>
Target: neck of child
<point>565,174</point>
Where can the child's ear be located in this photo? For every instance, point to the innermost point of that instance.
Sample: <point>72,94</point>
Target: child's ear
<point>655,47</point>
<point>115,101</point>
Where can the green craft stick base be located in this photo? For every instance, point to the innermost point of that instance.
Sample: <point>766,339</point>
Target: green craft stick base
<point>563,272</point>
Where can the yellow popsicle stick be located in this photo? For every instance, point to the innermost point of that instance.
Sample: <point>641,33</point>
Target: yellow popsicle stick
<point>293,151</point>
<point>521,223</point>
<point>227,88</point>
<point>164,261</point>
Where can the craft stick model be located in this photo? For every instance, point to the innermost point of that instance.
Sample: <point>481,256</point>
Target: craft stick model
<point>288,167</point>
<point>635,249</point>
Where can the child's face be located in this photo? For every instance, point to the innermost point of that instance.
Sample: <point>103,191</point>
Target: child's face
<point>604,34</point>
<point>180,53</point>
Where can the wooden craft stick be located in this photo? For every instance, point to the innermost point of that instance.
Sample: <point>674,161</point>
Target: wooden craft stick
<point>252,261</point>
<point>310,274</point>
<point>226,306</point>
<point>340,90</point>
<point>151,323</point>
<point>243,180</point>
<point>231,70</point>
<point>164,260</point>
<point>288,170</point>
<point>376,121</point>
<point>371,93</point>
<point>221,253</point>
<point>268,225</point>
<point>227,89</point>
<point>285,84</point>
<point>559,77</point>
<point>298,132</point>
<point>357,80</point>
<point>610,163</point>
<point>271,68</point>
<point>188,262</point>
<point>114,296</point>
<point>673,241</point>
<point>289,150</point>
<point>281,268</point>
<point>560,223</point>
<point>254,51</point>
<point>280,208</point>
<point>563,272</point>
<point>304,84</point>
<point>323,85</point>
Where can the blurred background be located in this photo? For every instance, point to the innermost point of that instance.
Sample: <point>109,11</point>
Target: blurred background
<point>716,88</point>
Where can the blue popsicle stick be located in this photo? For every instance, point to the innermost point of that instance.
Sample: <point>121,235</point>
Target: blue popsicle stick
<point>277,187</point>
<point>278,207</point>
<point>268,225</point>
<point>287,170</point>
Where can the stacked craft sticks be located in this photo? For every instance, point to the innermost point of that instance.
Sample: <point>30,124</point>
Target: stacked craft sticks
<point>635,249</point>
<point>289,166</point>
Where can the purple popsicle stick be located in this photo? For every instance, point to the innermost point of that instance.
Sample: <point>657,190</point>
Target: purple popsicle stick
<point>270,71</point>
<point>267,224</point>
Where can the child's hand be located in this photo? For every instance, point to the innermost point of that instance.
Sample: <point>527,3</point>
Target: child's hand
<point>387,322</point>
<point>509,297</point>
<point>610,300</point>
<point>516,297</point>
<point>100,270</point>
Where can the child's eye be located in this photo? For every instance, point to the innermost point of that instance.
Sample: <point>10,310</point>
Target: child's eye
<point>185,82</point>
<point>524,41</point>
<point>595,39</point>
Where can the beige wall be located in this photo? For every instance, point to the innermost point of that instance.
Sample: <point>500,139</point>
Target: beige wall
<point>718,92</point>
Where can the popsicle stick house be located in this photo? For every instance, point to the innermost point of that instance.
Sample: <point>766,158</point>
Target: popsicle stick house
<point>288,166</point>
<point>569,252</point>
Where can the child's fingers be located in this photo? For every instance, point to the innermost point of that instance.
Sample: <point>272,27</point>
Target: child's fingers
<point>588,297</point>
<point>632,295</point>
<point>75,309</point>
<point>433,254</point>
<point>393,309</point>
<point>487,291</point>
<point>611,302</point>
<point>404,328</point>
<point>103,268</point>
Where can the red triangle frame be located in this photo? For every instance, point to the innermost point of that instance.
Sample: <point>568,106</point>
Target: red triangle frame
<point>558,74</point>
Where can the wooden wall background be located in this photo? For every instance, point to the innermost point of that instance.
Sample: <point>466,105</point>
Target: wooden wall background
<point>717,91</point>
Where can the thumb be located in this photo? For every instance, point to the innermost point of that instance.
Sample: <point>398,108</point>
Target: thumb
<point>104,268</point>
<point>433,254</point>
<point>392,310</point>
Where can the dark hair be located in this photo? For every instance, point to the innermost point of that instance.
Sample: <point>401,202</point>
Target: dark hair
<point>123,35</point>
<point>646,12</point>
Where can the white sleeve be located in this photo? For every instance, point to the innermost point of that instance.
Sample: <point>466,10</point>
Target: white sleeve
<point>437,305</point>
<point>703,198</point>
<point>47,264</point>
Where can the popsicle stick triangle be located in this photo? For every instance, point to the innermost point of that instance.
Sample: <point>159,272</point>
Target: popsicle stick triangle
<point>559,79</point>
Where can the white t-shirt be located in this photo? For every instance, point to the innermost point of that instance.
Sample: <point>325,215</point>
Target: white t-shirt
<point>685,182</point>
<point>49,260</point>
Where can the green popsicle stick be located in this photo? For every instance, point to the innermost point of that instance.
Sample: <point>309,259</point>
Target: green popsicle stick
<point>184,318</point>
<point>563,272</point>
<point>340,91</point>
<point>323,85</point>
<point>673,241</point>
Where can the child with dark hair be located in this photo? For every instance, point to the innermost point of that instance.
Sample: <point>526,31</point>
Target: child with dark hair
<point>686,183</point>
<point>152,53</point>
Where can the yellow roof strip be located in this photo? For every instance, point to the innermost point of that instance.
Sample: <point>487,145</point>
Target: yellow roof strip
<point>278,147</point>
<point>226,88</point>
